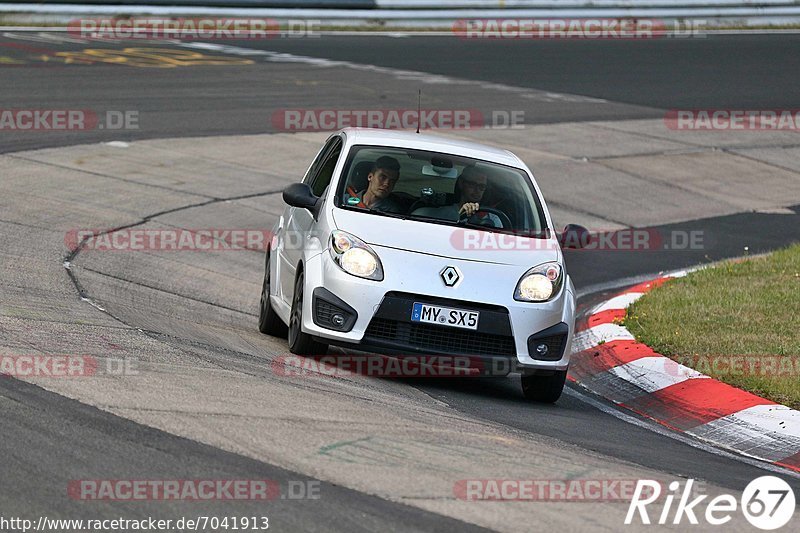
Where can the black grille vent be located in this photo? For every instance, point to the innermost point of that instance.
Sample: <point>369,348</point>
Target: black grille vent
<point>439,339</point>
<point>555,337</point>
<point>327,305</point>
<point>555,348</point>
<point>325,310</point>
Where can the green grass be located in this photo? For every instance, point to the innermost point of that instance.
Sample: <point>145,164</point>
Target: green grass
<point>745,308</point>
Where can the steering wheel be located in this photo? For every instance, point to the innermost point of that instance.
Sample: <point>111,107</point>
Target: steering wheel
<point>502,216</point>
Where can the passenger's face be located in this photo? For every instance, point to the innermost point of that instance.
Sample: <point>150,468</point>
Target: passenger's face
<point>472,188</point>
<point>381,182</point>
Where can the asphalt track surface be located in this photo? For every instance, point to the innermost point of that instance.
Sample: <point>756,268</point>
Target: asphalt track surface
<point>640,79</point>
<point>43,430</point>
<point>721,71</point>
<point>644,79</point>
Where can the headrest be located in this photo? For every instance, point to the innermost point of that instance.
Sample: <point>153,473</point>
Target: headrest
<point>358,178</point>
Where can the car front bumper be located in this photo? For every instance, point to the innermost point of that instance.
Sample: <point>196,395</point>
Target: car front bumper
<point>377,315</point>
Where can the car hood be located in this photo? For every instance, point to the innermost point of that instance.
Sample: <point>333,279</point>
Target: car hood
<point>446,241</point>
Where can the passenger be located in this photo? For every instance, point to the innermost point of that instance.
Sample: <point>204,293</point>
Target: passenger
<point>469,189</point>
<point>380,183</point>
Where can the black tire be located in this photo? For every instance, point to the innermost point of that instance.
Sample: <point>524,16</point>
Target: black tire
<point>544,388</point>
<point>269,322</point>
<point>301,343</point>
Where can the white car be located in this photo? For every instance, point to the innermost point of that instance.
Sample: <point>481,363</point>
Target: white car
<point>406,244</point>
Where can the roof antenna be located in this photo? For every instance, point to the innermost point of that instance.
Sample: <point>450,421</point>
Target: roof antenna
<point>419,112</point>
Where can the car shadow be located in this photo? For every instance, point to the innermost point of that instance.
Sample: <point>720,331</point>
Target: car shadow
<point>505,389</point>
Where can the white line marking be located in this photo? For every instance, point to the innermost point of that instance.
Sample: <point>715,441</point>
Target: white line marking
<point>655,373</point>
<point>771,432</point>
<point>602,333</point>
<point>777,418</point>
<point>617,302</point>
<point>408,75</point>
<point>635,280</point>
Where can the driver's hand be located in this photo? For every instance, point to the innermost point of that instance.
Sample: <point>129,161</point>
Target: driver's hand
<point>469,209</point>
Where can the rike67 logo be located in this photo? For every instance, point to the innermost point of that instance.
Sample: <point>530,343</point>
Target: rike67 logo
<point>768,503</point>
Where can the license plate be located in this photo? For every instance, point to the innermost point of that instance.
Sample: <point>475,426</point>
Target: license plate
<point>444,316</point>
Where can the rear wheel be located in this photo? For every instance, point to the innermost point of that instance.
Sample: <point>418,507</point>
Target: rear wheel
<point>544,388</point>
<point>268,321</point>
<point>301,343</point>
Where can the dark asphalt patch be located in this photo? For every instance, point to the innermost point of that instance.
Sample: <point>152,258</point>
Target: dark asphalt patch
<point>720,71</point>
<point>722,237</point>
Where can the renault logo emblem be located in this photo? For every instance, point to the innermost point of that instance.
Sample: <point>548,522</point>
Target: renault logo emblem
<point>450,275</point>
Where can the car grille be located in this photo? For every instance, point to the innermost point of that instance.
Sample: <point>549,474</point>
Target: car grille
<point>436,338</point>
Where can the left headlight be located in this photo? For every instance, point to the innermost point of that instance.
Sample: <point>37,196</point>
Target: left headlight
<point>354,256</point>
<point>540,283</point>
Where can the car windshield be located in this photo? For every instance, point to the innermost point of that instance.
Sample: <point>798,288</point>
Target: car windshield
<point>440,188</point>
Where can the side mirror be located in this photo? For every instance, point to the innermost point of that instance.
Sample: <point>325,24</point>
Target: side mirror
<point>300,195</point>
<point>575,237</point>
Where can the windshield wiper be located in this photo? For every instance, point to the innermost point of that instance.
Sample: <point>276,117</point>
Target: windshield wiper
<point>374,212</point>
<point>442,221</point>
<point>491,229</point>
<point>388,214</point>
<point>506,231</point>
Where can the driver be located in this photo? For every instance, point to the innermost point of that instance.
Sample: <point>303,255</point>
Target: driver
<point>469,189</point>
<point>380,183</point>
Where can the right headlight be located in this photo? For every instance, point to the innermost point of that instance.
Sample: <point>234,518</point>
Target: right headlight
<point>540,283</point>
<point>354,256</point>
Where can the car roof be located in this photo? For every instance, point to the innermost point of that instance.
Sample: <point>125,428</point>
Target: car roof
<point>433,143</point>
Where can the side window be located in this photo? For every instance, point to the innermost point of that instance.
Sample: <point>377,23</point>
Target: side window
<point>323,174</point>
<point>312,170</point>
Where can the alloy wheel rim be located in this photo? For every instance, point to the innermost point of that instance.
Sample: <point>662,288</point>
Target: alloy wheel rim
<point>297,310</point>
<point>265,291</point>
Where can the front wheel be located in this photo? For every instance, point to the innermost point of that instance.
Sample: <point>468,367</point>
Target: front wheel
<point>301,343</point>
<point>544,388</point>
